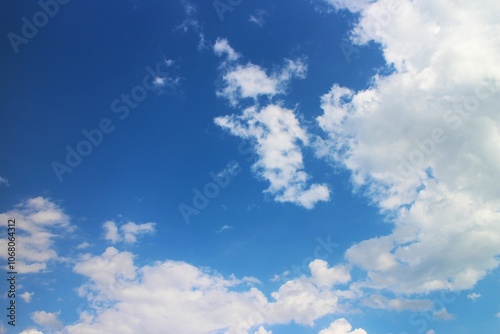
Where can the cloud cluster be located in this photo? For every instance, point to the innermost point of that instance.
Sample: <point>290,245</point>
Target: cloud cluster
<point>124,298</point>
<point>39,222</point>
<point>275,132</point>
<point>420,142</point>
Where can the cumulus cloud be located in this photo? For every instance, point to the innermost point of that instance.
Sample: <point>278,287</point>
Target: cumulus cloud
<point>26,296</point>
<point>127,232</point>
<point>258,18</point>
<point>47,320</point>
<point>31,331</point>
<point>262,330</point>
<point>250,81</point>
<point>341,326</point>
<point>421,142</point>
<point>443,314</point>
<point>275,132</point>
<point>38,223</point>
<point>124,298</point>
<point>276,135</point>
<point>222,48</point>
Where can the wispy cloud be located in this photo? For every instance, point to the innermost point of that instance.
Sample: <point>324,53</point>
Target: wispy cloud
<point>473,296</point>
<point>4,181</point>
<point>224,228</point>
<point>274,131</point>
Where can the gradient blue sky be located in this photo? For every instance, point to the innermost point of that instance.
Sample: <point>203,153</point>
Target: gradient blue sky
<point>355,143</point>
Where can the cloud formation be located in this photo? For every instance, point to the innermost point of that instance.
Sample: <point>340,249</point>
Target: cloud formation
<point>274,131</point>
<point>39,222</point>
<point>420,141</point>
<point>341,326</point>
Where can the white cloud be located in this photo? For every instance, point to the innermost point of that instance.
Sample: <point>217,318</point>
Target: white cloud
<point>47,320</point>
<point>443,314</point>
<point>341,326</point>
<point>321,275</point>
<point>127,232</point>
<point>250,81</point>
<point>224,228</point>
<point>262,330</point>
<point>4,181</point>
<point>431,331</point>
<point>275,132</point>
<point>38,223</point>
<point>497,315</point>
<point>378,301</point>
<point>31,331</point>
<point>351,5</point>
<point>258,18</point>
<point>222,47</point>
<point>124,298</point>
<point>421,142</point>
<point>473,296</point>
<point>26,296</point>
<point>276,135</point>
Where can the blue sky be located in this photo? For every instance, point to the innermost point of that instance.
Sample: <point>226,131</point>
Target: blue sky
<point>233,166</point>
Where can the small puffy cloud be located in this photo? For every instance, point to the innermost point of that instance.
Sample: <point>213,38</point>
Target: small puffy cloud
<point>341,326</point>
<point>473,296</point>
<point>127,232</point>
<point>324,276</point>
<point>47,320</point>
<point>497,315</point>
<point>159,81</point>
<point>430,331</point>
<point>26,296</point>
<point>39,222</point>
<point>222,47</point>
<point>258,18</point>
<point>277,135</point>
<point>262,330</point>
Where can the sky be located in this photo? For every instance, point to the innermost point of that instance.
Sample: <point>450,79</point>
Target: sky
<point>261,167</point>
